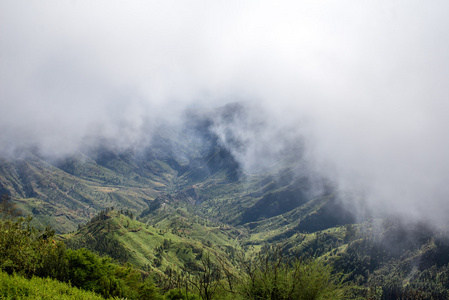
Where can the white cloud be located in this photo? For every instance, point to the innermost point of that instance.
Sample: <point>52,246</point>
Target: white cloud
<point>365,83</point>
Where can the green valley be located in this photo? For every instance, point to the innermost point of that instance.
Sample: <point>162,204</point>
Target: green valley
<point>183,214</point>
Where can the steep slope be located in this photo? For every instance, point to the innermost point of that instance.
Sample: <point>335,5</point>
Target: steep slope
<point>68,192</point>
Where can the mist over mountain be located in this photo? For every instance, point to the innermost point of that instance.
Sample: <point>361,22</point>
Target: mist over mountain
<point>351,95</point>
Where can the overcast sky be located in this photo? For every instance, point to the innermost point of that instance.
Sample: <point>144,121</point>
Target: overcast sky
<point>364,82</point>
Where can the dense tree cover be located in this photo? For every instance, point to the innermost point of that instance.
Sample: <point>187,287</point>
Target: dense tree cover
<point>101,244</point>
<point>26,250</point>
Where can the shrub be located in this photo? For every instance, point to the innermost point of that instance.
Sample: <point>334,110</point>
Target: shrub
<point>272,277</point>
<point>23,248</point>
<point>178,294</point>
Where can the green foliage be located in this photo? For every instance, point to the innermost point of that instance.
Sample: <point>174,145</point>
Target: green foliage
<point>7,209</point>
<point>30,252</point>
<point>18,287</point>
<point>101,242</point>
<point>179,294</point>
<point>24,249</point>
<point>88,271</point>
<point>271,276</point>
<point>27,251</point>
<point>206,277</point>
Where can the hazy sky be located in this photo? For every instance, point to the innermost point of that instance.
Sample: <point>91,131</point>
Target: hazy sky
<point>365,82</point>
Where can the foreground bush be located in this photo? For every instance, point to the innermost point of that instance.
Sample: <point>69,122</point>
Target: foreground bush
<point>91,272</point>
<point>270,276</point>
<point>23,248</point>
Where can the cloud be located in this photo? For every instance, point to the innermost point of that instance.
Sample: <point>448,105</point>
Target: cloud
<point>363,84</point>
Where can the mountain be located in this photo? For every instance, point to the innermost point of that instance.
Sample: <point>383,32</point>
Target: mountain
<point>187,192</point>
<point>66,191</point>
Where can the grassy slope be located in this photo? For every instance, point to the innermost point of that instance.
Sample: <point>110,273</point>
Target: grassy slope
<point>18,287</point>
<point>187,239</point>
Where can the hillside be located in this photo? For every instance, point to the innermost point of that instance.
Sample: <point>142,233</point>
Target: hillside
<point>66,191</point>
<point>384,259</point>
<point>176,241</point>
<point>185,197</point>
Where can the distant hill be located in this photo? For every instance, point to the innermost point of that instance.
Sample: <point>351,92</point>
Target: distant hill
<point>67,191</point>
